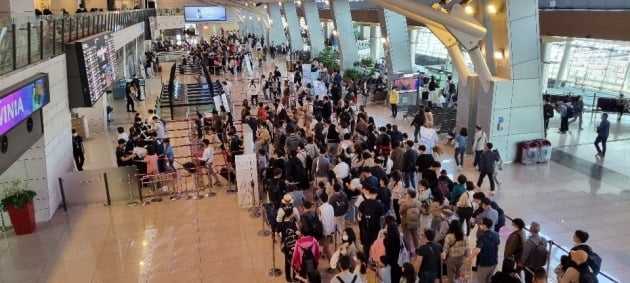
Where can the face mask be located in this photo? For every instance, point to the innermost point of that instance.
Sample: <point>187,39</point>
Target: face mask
<point>344,238</point>
<point>75,134</point>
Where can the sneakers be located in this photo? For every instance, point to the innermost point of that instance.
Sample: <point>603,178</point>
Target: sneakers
<point>459,168</point>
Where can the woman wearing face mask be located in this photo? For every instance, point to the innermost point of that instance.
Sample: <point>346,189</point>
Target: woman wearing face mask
<point>348,246</point>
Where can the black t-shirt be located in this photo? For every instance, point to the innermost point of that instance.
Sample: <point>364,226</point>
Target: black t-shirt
<point>77,144</point>
<point>371,211</point>
<point>385,197</point>
<point>120,153</point>
<point>431,177</point>
<point>430,254</point>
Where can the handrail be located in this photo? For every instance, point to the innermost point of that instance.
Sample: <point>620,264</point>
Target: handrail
<point>31,39</point>
<point>552,243</point>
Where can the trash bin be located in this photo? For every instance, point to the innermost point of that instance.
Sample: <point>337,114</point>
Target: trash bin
<point>529,152</point>
<point>544,151</point>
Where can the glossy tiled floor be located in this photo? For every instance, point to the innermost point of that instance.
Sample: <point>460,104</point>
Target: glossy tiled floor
<point>212,240</point>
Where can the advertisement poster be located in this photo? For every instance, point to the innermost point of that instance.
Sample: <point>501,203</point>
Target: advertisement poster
<point>246,180</point>
<point>21,103</point>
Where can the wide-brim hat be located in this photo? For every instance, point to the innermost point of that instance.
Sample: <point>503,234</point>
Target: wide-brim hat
<point>287,199</point>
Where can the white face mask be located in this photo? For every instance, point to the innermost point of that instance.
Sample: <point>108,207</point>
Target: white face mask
<point>74,134</point>
<point>344,238</point>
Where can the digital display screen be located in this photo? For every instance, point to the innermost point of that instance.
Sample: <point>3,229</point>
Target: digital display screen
<point>100,58</point>
<point>91,65</point>
<point>205,14</point>
<point>22,101</point>
<point>406,84</point>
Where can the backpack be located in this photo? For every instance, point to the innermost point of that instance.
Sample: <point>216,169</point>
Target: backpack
<point>312,226</point>
<point>586,276</point>
<point>594,261</point>
<point>570,111</point>
<point>354,279</point>
<point>442,186</point>
<point>412,213</point>
<point>538,256</point>
<point>289,238</point>
<point>451,88</point>
<point>308,260</point>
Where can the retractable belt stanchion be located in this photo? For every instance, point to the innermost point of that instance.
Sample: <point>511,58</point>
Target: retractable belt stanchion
<point>273,271</point>
<point>265,217</point>
<point>254,211</point>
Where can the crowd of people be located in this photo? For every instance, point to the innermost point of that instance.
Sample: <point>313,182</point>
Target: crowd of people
<point>371,199</point>
<point>327,168</point>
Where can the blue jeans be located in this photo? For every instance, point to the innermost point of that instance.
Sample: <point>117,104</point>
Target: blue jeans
<point>459,156</point>
<point>410,179</point>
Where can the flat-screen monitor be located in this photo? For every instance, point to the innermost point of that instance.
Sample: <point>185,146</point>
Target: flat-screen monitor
<point>21,100</point>
<point>91,64</point>
<point>195,14</point>
<point>406,84</point>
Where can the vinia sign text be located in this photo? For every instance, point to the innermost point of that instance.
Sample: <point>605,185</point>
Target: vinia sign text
<point>21,103</point>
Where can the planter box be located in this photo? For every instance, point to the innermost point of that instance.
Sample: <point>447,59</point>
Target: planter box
<point>22,219</point>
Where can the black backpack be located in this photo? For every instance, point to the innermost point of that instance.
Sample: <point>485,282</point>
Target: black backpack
<point>538,256</point>
<point>312,226</point>
<point>451,88</point>
<point>308,261</point>
<point>586,276</point>
<point>289,238</point>
<point>594,262</point>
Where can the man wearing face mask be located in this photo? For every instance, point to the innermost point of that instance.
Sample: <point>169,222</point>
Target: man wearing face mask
<point>78,150</point>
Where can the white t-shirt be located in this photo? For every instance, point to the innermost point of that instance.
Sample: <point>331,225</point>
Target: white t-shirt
<point>341,170</point>
<point>159,130</point>
<point>428,138</point>
<point>123,136</point>
<point>208,154</point>
<point>327,217</point>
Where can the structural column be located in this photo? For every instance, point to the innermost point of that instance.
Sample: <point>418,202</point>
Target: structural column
<point>290,12</point>
<point>276,33</point>
<point>396,44</point>
<point>489,40</point>
<point>564,64</point>
<point>315,33</point>
<point>342,17</point>
<point>375,42</point>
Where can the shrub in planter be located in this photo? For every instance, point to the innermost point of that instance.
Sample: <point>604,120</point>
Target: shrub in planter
<point>18,201</point>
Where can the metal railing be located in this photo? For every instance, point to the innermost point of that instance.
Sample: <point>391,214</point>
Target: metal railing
<point>564,251</point>
<point>27,40</point>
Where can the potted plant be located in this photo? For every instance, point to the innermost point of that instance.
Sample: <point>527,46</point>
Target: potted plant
<point>18,201</point>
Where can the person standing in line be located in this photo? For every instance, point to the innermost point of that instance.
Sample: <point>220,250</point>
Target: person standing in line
<point>427,259</point>
<point>603,130</point>
<point>78,151</point>
<point>532,258</point>
<point>548,112</point>
<point>578,109</point>
<point>409,164</point>
<point>622,104</point>
<point>393,101</point>
<point>478,144</point>
<point>486,252</point>
<point>207,159</point>
<point>486,166</point>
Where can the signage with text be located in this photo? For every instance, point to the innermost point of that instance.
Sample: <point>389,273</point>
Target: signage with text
<point>18,102</point>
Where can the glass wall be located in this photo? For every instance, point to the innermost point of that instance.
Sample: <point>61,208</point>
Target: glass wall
<point>596,64</point>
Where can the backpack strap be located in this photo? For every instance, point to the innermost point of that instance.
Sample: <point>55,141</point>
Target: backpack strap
<point>354,279</point>
<point>339,279</point>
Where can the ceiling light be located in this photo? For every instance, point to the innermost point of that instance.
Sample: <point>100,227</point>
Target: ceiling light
<point>492,9</point>
<point>469,10</point>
